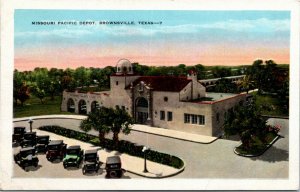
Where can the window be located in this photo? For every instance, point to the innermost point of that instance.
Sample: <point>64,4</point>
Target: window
<point>201,119</point>
<point>165,99</point>
<point>117,82</point>
<point>170,116</point>
<point>187,118</point>
<point>162,115</point>
<point>194,119</point>
<point>218,117</point>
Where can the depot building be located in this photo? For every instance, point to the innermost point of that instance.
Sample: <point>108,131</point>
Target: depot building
<point>177,103</point>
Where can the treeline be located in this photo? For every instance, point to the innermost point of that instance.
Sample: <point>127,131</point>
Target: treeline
<point>266,76</point>
<point>42,82</point>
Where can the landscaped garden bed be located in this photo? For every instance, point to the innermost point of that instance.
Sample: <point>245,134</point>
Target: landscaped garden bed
<point>256,147</point>
<point>122,146</point>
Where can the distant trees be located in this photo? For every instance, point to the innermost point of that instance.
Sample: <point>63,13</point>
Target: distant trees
<point>224,85</point>
<point>267,76</point>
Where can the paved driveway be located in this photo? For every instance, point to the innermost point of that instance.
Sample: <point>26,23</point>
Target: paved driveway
<point>215,160</point>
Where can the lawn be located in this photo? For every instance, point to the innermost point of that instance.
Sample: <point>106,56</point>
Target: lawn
<point>33,107</point>
<point>277,108</point>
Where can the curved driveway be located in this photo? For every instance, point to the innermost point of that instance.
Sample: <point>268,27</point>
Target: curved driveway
<point>215,160</point>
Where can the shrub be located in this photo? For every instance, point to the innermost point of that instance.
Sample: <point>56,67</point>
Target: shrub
<point>123,146</point>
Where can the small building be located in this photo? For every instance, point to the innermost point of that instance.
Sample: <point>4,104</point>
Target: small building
<point>178,103</point>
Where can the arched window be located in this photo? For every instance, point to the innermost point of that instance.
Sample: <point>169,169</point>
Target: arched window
<point>142,102</point>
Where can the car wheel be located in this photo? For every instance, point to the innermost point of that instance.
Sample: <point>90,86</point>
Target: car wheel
<point>112,174</point>
<point>83,171</point>
<point>65,166</point>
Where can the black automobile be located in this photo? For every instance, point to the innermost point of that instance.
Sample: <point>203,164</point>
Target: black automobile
<point>29,140</point>
<point>26,157</point>
<point>90,161</point>
<point>42,142</point>
<point>113,167</point>
<point>73,156</point>
<point>18,134</point>
<point>56,149</point>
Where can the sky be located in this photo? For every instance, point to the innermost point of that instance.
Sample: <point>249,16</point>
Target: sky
<point>176,37</point>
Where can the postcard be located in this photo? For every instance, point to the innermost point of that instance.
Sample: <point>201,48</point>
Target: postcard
<point>99,95</point>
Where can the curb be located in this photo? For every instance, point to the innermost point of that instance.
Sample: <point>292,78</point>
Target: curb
<point>38,118</point>
<point>161,177</point>
<point>256,155</point>
<point>177,137</point>
<point>81,117</point>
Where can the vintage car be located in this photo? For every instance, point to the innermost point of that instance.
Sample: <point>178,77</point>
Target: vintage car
<point>29,140</point>
<point>18,134</point>
<point>56,149</point>
<point>90,161</point>
<point>42,142</point>
<point>73,156</point>
<point>26,157</point>
<point>113,167</point>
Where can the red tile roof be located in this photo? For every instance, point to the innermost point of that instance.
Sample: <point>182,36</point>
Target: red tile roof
<point>163,83</point>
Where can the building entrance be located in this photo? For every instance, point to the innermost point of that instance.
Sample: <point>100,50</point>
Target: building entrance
<point>141,110</point>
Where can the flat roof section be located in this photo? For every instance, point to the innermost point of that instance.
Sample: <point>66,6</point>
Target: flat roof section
<point>212,97</point>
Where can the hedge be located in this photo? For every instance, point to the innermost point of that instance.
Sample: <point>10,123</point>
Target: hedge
<point>122,146</point>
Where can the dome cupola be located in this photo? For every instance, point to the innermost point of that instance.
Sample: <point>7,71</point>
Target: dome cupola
<point>124,67</point>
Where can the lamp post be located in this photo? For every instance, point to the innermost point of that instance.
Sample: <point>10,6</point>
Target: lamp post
<point>30,121</point>
<point>145,164</point>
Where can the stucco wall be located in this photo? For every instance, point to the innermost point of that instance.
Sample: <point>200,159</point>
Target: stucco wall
<point>221,108</point>
<point>178,109</point>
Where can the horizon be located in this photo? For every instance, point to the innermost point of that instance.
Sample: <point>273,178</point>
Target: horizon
<point>227,38</point>
<point>225,66</point>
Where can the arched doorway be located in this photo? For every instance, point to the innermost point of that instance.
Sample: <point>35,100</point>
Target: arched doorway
<point>71,106</point>
<point>82,107</point>
<point>141,110</point>
<point>94,106</point>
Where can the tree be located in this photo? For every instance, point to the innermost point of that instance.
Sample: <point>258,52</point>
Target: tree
<point>257,73</point>
<point>121,122</point>
<point>22,93</point>
<point>224,85</point>
<point>18,85</point>
<point>245,84</point>
<point>38,92</point>
<point>99,120</point>
<point>247,122</point>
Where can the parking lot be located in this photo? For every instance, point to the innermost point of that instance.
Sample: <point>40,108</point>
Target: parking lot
<point>215,160</point>
<point>47,169</point>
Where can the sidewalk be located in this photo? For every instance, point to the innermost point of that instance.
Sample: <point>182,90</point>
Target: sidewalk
<point>174,134</point>
<point>140,128</point>
<point>131,164</point>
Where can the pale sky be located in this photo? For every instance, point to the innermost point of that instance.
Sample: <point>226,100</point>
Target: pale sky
<point>188,37</point>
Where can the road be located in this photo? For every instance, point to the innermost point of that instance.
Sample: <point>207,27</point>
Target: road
<point>215,160</point>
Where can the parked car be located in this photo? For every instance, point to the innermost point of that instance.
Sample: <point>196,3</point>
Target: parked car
<point>90,161</point>
<point>113,167</point>
<point>56,149</point>
<point>73,156</point>
<point>29,140</point>
<point>26,157</point>
<point>42,142</point>
<point>18,134</point>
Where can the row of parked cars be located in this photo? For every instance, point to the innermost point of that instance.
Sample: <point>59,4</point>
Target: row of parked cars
<point>72,156</point>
